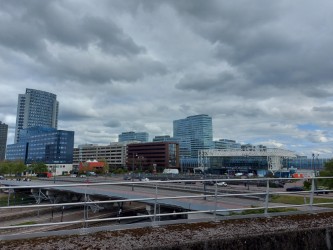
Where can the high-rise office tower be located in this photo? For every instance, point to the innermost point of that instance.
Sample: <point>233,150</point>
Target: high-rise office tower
<point>133,136</point>
<point>3,140</point>
<point>36,108</point>
<point>193,134</point>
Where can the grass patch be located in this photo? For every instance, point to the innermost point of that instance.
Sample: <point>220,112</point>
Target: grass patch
<point>18,199</point>
<point>261,211</point>
<point>25,223</point>
<point>300,200</point>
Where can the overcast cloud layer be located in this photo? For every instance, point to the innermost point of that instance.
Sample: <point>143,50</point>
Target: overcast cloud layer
<point>261,69</point>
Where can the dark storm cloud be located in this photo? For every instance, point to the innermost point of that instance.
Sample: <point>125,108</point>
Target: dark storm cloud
<point>113,124</point>
<point>268,42</point>
<point>25,30</point>
<point>84,69</point>
<point>324,109</point>
<point>74,114</point>
<point>223,83</point>
<point>61,40</point>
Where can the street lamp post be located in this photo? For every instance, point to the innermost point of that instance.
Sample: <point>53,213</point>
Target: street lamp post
<point>140,158</point>
<point>54,172</point>
<point>132,171</point>
<point>314,168</point>
<point>132,164</point>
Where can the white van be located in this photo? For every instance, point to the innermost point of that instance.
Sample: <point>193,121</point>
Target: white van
<point>170,171</point>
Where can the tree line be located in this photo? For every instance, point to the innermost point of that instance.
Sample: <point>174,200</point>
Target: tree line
<point>18,167</point>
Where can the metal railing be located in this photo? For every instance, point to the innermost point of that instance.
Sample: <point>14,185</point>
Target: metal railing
<point>219,203</point>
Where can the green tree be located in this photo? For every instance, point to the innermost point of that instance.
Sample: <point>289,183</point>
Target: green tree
<point>18,167</point>
<point>105,168</point>
<point>327,172</point>
<point>307,185</point>
<point>12,167</point>
<point>38,167</point>
<point>4,167</point>
<point>84,168</point>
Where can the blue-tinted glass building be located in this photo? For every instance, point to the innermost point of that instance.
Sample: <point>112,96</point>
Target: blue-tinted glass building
<point>43,144</point>
<point>193,133</point>
<point>133,136</point>
<point>161,138</point>
<point>36,108</point>
<point>226,144</point>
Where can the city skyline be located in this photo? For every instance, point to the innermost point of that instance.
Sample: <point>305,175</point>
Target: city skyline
<point>263,73</point>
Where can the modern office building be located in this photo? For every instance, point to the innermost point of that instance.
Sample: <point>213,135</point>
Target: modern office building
<point>114,154</point>
<point>133,136</point>
<point>152,156</point>
<point>226,144</point>
<point>36,108</point>
<point>161,138</point>
<point>304,163</point>
<point>41,144</point>
<point>3,140</point>
<point>193,133</point>
<point>247,159</point>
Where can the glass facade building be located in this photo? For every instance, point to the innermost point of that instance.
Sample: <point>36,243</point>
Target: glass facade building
<point>193,133</point>
<point>133,136</point>
<point>160,138</point>
<point>254,164</point>
<point>42,144</point>
<point>3,140</point>
<point>226,144</point>
<point>36,108</point>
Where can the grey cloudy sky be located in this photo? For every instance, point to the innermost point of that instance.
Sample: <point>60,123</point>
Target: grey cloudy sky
<point>261,69</point>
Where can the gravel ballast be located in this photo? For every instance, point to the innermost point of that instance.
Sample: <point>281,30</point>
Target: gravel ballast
<point>306,231</point>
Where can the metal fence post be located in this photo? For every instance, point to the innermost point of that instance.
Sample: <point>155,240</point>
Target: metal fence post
<point>312,192</point>
<point>267,197</point>
<point>204,187</point>
<point>85,207</point>
<point>215,208</point>
<point>8,199</point>
<point>155,205</point>
<point>39,200</point>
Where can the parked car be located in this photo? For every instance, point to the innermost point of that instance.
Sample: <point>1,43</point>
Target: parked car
<point>221,184</point>
<point>127,178</point>
<point>210,183</point>
<point>321,190</point>
<point>91,174</point>
<point>190,182</point>
<point>272,184</point>
<point>295,189</point>
<point>144,179</point>
<point>83,176</point>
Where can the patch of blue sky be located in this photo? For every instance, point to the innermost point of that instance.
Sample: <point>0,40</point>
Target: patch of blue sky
<point>308,126</point>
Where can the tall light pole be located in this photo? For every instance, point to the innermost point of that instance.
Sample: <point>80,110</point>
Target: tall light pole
<point>132,177</point>
<point>54,172</point>
<point>140,158</point>
<point>314,169</point>
<point>313,166</point>
<point>132,165</point>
